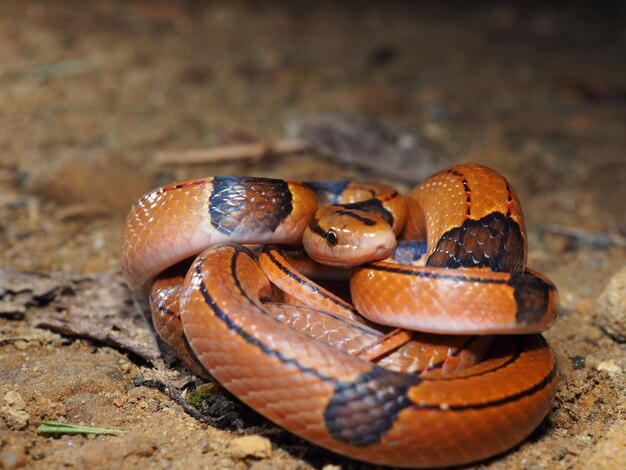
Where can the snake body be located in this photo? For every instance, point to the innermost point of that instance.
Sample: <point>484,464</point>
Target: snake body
<point>282,360</point>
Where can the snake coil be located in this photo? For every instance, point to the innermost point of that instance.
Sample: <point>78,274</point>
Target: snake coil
<point>430,400</point>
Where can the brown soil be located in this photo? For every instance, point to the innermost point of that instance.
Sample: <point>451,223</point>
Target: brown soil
<point>91,92</point>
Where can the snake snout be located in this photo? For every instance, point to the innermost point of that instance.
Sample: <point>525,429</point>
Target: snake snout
<point>384,250</point>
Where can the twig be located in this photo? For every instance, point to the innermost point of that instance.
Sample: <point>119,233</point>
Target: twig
<point>370,144</point>
<point>81,211</point>
<point>585,237</point>
<point>87,330</point>
<point>254,151</point>
<point>568,408</point>
<point>158,380</point>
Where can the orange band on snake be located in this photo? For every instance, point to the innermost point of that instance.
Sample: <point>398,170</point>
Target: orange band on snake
<point>299,367</point>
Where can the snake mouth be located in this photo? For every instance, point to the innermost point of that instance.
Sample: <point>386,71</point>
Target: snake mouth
<point>382,251</point>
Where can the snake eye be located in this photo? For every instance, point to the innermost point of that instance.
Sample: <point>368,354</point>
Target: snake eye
<point>331,237</point>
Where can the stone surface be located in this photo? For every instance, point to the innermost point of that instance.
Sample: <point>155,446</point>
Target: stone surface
<point>251,446</point>
<point>611,307</point>
<point>13,411</point>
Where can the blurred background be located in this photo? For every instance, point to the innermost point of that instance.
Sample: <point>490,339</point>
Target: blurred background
<point>102,101</point>
<point>92,94</point>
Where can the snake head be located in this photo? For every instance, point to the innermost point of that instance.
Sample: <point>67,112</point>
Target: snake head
<point>345,238</point>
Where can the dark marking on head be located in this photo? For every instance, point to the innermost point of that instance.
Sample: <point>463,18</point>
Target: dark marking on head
<point>494,241</point>
<point>532,297</point>
<point>269,202</point>
<point>329,235</point>
<point>373,206</point>
<point>314,226</point>
<point>361,412</point>
<point>354,215</point>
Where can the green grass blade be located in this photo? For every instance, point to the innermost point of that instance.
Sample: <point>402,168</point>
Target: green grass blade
<point>53,427</point>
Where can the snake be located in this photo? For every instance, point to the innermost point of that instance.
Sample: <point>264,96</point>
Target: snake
<point>211,255</point>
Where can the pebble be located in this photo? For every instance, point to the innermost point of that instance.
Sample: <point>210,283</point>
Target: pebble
<point>20,345</point>
<point>139,381</point>
<point>609,366</point>
<point>13,411</point>
<point>611,308</point>
<point>14,400</point>
<point>578,362</point>
<point>250,446</point>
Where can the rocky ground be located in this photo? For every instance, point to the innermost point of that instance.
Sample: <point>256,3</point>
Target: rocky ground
<point>95,96</point>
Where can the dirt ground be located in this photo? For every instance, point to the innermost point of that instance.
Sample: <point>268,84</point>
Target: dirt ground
<point>92,92</point>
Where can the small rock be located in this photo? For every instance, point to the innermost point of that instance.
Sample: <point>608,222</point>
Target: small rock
<point>21,345</point>
<point>609,366</point>
<point>139,380</point>
<point>250,446</point>
<point>578,362</point>
<point>12,412</point>
<point>225,463</point>
<point>611,308</point>
<point>14,400</point>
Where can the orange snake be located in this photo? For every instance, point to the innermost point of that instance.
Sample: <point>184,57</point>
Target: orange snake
<point>303,367</point>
